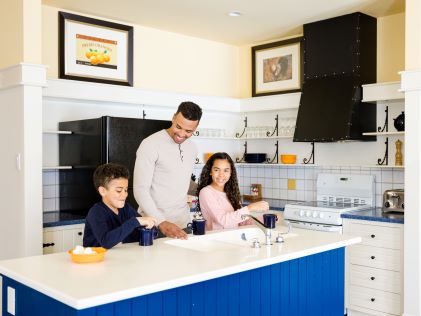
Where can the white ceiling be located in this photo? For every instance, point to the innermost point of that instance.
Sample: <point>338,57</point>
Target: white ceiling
<point>261,20</point>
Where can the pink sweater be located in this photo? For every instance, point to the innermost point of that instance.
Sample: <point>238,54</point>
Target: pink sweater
<point>218,211</point>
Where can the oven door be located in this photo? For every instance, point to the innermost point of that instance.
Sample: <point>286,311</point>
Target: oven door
<point>317,226</point>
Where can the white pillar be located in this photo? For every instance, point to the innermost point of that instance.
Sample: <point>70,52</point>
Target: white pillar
<point>21,160</point>
<point>411,85</point>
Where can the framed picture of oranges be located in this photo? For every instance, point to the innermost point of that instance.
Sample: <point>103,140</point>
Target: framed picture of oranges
<point>95,50</point>
<point>277,67</point>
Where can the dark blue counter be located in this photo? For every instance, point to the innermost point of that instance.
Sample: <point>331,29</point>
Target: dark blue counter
<point>375,214</point>
<point>52,219</point>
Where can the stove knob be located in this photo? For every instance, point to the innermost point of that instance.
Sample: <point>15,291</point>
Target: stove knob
<point>301,213</point>
<point>321,215</point>
<point>308,213</point>
<point>315,214</point>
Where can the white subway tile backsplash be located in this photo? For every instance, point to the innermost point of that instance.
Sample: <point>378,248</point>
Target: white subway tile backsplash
<point>309,173</point>
<point>49,205</point>
<point>398,176</point>
<point>387,176</point>
<point>309,185</point>
<point>268,173</point>
<point>299,173</point>
<point>299,185</point>
<point>49,177</point>
<point>283,184</point>
<point>284,194</point>
<point>292,195</point>
<point>291,173</point>
<point>377,174</point>
<point>283,173</point>
<point>301,195</point>
<point>49,191</point>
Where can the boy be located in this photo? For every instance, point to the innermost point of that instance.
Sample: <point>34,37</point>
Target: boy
<point>112,220</point>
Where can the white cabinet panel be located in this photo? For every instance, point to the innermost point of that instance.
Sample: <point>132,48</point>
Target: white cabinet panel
<point>53,242</point>
<point>378,236</point>
<point>375,257</point>
<point>374,268</point>
<point>375,278</point>
<point>62,238</point>
<point>374,299</point>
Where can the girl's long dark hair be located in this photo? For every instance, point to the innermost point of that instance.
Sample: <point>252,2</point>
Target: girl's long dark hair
<point>230,188</point>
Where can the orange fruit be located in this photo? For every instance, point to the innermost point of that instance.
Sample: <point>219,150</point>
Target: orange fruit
<point>106,58</point>
<point>88,54</point>
<point>94,60</point>
<point>100,58</point>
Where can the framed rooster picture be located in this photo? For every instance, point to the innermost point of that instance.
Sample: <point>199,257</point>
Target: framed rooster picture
<point>277,67</point>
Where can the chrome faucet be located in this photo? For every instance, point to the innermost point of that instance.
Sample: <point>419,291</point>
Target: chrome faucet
<point>267,231</point>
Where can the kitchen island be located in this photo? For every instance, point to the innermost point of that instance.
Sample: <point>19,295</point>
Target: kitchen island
<point>214,274</point>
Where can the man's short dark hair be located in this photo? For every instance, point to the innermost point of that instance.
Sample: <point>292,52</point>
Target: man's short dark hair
<point>107,172</point>
<point>190,111</point>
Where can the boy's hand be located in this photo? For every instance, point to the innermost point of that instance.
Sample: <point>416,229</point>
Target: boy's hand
<point>172,230</point>
<point>147,221</point>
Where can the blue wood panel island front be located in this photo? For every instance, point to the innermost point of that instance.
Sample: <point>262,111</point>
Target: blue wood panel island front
<point>310,285</point>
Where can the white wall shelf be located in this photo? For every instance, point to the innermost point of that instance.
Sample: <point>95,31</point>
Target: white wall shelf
<point>56,167</point>
<point>383,133</point>
<point>243,138</point>
<point>57,132</point>
<point>383,92</point>
<point>114,94</point>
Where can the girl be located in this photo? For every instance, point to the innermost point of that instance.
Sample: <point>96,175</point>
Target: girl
<point>219,195</point>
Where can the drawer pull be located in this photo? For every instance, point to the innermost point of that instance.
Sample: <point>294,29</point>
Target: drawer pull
<point>48,245</point>
<point>372,278</point>
<point>373,236</point>
<point>79,233</point>
<point>373,257</point>
<point>373,299</point>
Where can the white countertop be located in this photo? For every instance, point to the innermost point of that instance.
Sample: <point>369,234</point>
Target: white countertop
<point>131,270</point>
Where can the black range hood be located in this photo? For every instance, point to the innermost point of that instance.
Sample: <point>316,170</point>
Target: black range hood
<point>339,56</point>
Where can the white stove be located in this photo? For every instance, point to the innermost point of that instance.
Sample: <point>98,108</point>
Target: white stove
<point>336,194</point>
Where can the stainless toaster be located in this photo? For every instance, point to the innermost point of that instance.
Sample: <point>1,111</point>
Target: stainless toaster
<point>393,200</point>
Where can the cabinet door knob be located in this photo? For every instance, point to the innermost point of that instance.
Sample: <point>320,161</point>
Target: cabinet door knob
<point>373,257</point>
<point>373,299</point>
<point>373,236</point>
<point>79,233</point>
<point>372,278</point>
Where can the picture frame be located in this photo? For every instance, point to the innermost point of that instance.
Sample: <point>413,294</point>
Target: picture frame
<point>95,50</point>
<point>277,67</point>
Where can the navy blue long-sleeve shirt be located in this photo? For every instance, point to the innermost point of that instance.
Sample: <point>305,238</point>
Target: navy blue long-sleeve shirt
<point>104,228</point>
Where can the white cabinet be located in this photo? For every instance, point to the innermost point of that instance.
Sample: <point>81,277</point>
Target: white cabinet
<point>374,268</point>
<point>62,238</point>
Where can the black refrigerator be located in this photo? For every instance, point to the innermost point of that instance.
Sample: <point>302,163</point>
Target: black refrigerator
<point>94,142</point>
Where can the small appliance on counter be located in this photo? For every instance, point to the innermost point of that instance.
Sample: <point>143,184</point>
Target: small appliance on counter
<point>255,193</point>
<point>394,200</point>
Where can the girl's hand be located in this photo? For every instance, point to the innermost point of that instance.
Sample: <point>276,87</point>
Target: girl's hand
<point>147,221</point>
<point>258,206</point>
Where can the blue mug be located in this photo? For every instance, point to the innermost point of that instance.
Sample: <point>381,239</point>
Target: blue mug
<point>270,220</point>
<point>198,226</point>
<point>147,235</point>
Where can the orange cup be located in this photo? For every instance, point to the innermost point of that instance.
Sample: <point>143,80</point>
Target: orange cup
<point>206,156</point>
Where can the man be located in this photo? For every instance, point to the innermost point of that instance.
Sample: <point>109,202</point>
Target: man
<point>164,164</point>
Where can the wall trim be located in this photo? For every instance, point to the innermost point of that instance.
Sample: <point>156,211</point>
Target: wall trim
<point>23,74</point>
<point>411,80</point>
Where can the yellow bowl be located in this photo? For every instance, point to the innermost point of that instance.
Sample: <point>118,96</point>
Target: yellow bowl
<point>206,156</point>
<point>289,159</point>
<point>88,258</point>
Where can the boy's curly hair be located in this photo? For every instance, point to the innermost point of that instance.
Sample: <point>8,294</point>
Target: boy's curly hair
<point>231,187</point>
<point>107,172</point>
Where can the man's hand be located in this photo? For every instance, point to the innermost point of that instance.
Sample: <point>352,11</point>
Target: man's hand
<point>171,230</point>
